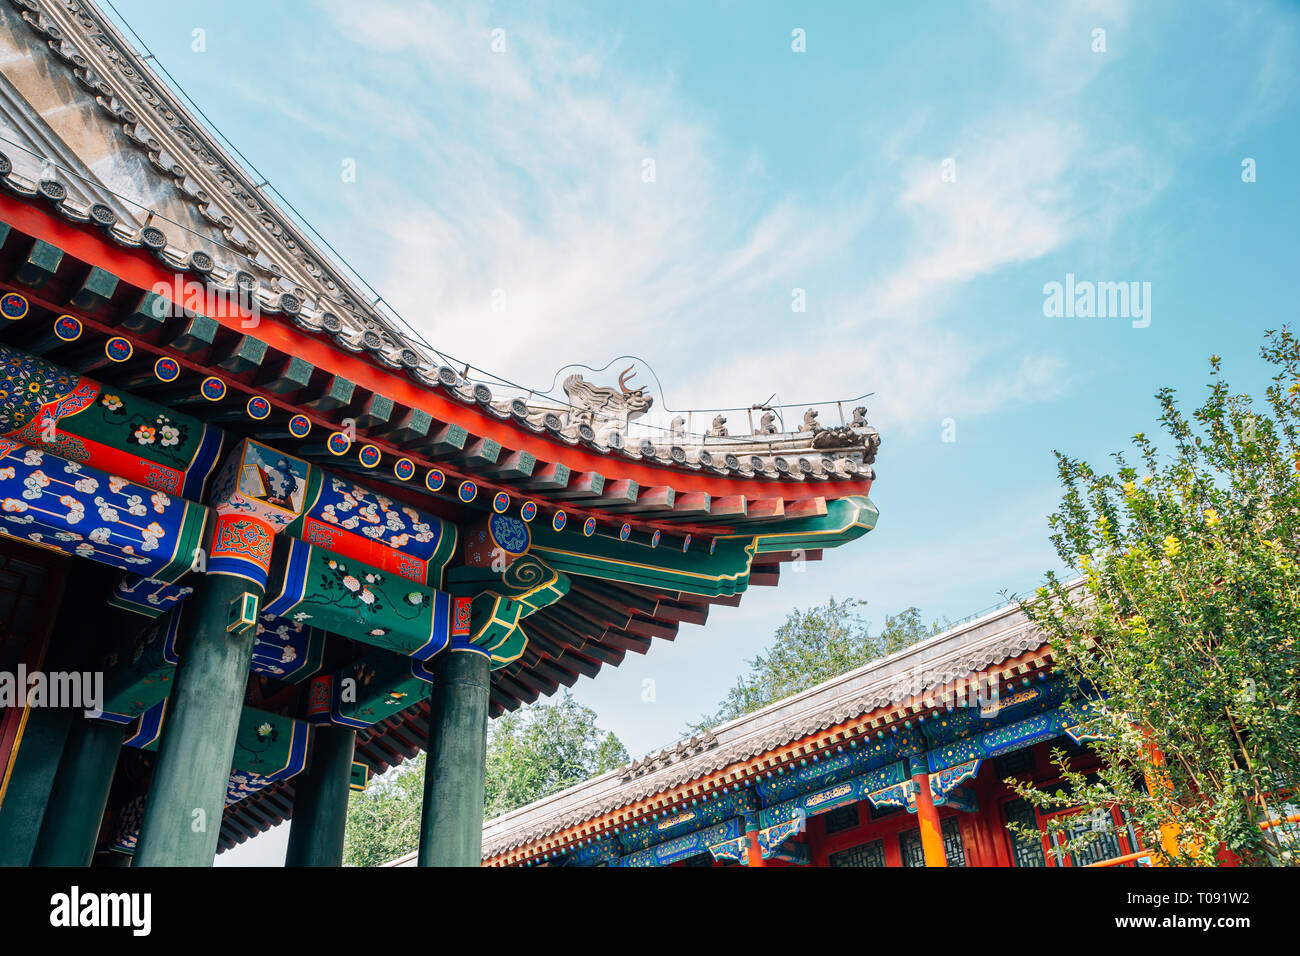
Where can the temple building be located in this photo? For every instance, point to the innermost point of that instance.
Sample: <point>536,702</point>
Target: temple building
<point>279,543</point>
<point>901,762</point>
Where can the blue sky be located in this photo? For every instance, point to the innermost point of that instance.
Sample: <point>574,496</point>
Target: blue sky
<point>521,170</point>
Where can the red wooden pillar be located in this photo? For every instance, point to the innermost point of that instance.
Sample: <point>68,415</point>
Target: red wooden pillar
<point>927,815</point>
<point>755,854</point>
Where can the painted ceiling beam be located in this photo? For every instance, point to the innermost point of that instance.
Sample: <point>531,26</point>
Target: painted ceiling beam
<point>375,410</point>
<point>514,466</point>
<point>447,441</point>
<point>335,392</point>
<point>583,484</point>
<point>287,375</point>
<point>552,476</point>
<point>722,509</point>
<point>243,354</point>
<point>659,498</point>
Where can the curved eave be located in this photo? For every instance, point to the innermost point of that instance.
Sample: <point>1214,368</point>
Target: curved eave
<point>648,494</point>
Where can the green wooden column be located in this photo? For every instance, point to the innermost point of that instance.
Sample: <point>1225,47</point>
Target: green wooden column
<point>40,749</point>
<point>35,766</point>
<point>451,818</point>
<point>182,819</point>
<point>320,800</point>
<point>79,795</point>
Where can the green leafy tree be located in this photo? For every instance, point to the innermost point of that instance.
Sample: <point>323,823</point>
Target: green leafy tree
<point>813,646</point>
<point>531,753</point>
<point>384,819</point>
<point>1185,624</point>
<point>541,749</point>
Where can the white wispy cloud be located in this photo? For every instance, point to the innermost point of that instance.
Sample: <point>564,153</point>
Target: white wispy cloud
<point>532,190</point>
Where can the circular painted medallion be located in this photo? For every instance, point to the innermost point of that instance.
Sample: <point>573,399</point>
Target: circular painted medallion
<point>213,389</point>
<point>404,469</point>
<point>686,543</point>
<point>467,491</point>
<point>258,407</point>
<point>370,456</point>
<point>558,520</point>
<point>434,480</point>
<point>528,510</point>
<point>118,349</point>
<point>589,527</point>
<point>713,545</point>
<point>300,426</point>
<point>338,443</point>
<point>67,328</point>
<point>509,534</point>
<point>624,531</point>
<point>166,370</point>
<point>13,306</point>
<point>500,502</point>
<point>654,538</point>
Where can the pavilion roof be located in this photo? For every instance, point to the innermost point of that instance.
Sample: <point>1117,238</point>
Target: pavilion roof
<point>110,185</point>
<point>893,688</point>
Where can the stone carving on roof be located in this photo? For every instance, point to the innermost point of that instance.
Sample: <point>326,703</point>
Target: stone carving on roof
<point>109,144</point>
<point>607,410</point>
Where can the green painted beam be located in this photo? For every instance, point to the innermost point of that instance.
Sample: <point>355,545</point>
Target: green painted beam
<point>335,393</point>
<point>516,465</point>
<point>479,454</point>
<point>196,334</point>
<point>375,411</point>
<point>182,820</point>
<point>290,375</point>
<point>445,442</point>
<point>149,314</point>
<point>40,265</point>
<point>95,290</point>
<point>412,426</point>
<point>320,802</point>
<point>551,477</point>
<point>451,818</point>
<point>242,355</point>
<point>584,484</point>
<point>79,795</point>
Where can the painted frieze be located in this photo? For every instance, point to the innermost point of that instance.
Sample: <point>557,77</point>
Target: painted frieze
<point>344,596</point>
<point>258,493</point>
<point>691,844</point>
<point>358,523</point>
<point>82,421</point>
<point>83,511</point>
<point>287,650</point>
<point>836,795</point>
<point>147,597</point>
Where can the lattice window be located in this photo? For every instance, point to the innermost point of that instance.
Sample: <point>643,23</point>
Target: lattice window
<point>1025,851</point>
<point>1105,847</point>
<point>1014,764</point>
<point>868,854</point>
<point>909,844</point>
<point>953,848</point>
<point>909,847</point>
<point>842,818</point>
